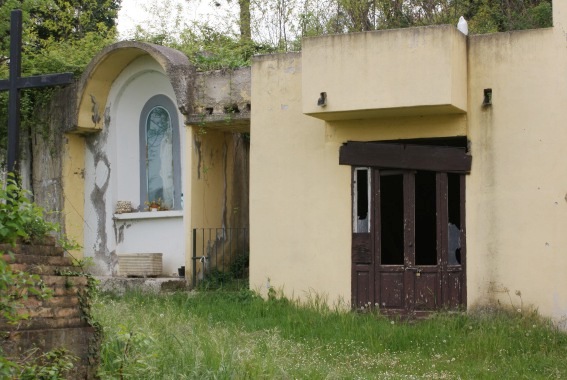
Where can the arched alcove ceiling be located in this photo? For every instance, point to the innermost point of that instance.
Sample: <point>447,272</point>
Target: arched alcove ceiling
<point>96,81</point>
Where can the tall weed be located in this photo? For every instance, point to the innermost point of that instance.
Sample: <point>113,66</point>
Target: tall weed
<point>238,335</point>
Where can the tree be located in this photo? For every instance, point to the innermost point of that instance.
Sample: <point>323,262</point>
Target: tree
<point>245,20</point>
<point>488,16</point>
<point>58,36</point>
<point>73,19</point>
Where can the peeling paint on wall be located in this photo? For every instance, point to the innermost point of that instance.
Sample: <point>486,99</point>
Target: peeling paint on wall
<point>197,144</point>
<point>96,116</point>
<point>119,231</point>
<point>96,146</point>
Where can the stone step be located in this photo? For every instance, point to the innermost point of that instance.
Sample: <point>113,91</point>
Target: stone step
<point>64,286</point>
<point>33,250</point>
<point>44,323</point>
<point>58,301</point>
<point>53,322</point>
<point>38,260</point>
<point>65,291</point>
<point>59,286</point>
<point>64,281</point>
<point>50,312</point>
<point>43,269</point>
<point>78,340</point>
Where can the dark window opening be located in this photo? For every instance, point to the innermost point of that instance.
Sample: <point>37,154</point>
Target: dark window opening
<point>362,193</point>
<point>392,219</point>
<point>361,200</point>
<point>425,219</point>
<point>454,228</point>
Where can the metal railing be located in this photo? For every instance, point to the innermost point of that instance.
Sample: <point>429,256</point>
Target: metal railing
<point>219,250</point>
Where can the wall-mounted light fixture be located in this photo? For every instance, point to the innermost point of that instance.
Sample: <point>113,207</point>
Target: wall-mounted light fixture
<point>487,101</point>
<point>322,101</point>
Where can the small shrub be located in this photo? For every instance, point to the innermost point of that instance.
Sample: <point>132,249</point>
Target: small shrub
<point>127,353</point>
<point>214,279</point>
<point>19,217</point>
<point>54,364</point>
<point>239,267</point>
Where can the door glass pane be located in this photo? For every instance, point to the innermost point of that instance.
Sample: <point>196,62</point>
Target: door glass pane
<point>361,201</point>
<point>425,219</point>
<point>392,219</point>
<point>454,230</point>
<point>159,164</point>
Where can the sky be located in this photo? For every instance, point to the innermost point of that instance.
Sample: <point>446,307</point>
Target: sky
<point>137,12</point>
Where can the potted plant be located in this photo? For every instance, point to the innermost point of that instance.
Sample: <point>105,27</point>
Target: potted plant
<point>155,205</point>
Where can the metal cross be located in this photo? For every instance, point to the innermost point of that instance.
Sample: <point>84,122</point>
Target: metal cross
<point>15,83</point>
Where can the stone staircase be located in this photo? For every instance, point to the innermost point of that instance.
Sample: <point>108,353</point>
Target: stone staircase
<point>56,322</point>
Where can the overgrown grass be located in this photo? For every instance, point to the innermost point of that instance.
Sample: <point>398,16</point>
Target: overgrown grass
<point>236,335</point>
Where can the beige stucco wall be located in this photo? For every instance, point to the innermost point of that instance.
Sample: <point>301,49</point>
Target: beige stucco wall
<point>210,176</point>
<point>516,193</point>
<point>300,197</point>
<point>297,239</point>
<point>217,194</point>
<point>73,178</point>
<point>399,72</point>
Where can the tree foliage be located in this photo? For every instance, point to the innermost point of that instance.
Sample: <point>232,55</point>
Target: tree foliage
<point>242,28</point>
<point>58,20</point>
<point>58,36</point>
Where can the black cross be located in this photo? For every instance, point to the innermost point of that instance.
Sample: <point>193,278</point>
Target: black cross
<point>16,83</point>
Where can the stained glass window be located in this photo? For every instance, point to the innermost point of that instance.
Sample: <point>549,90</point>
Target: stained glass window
<point>159,153</point>
<point>160,164</point>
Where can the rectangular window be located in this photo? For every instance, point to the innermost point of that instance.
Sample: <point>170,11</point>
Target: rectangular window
<point>454,228</point>
<point>361,201</point>
<point>425,218</point>
<point>392,217</point>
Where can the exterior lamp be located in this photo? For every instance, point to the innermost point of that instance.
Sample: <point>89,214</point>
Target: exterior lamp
<point>322,101</point>
<point>487,101</point>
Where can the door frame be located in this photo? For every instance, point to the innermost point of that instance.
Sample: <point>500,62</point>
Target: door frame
<point>366,268</point>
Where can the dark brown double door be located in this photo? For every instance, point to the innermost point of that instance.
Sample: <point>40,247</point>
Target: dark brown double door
<point>408,240</point>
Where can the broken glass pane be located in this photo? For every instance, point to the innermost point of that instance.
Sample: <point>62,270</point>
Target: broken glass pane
<point>454,244</point>
<point>361,202</point>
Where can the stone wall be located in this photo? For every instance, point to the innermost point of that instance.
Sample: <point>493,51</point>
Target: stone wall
<point>61,321</point>
<point>42,156</point>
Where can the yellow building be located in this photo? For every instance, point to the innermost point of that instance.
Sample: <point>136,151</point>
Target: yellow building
<point>409,170</point>
<point>413,169</point>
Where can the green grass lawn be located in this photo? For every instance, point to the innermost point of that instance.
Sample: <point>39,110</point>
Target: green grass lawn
<point>236,335</point>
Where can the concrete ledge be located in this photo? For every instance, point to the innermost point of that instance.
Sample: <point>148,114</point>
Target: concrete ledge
<point>149,215</point>
<point>119,285</point>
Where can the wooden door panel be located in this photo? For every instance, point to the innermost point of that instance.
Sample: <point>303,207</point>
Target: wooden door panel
<point>453,289</point>
<point>426,293</point>
<point>391,287</point>
<point>362,286</point>
<point>362,248</point>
